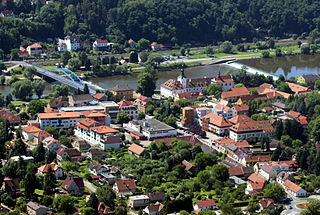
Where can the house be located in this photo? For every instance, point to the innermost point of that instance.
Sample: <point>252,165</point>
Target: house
<point>142,103</point>
<point>252,159</point>
<point>128,108</point>
<point>244,127</point>
<point>82,100</point>
<point>240,109</point>
<point>111,108</point>
<point>100,97</point>
<point>96,133</point>
<point>11,186</point>
<point>40,136</point>
<point>122,92</point>
<point>254,187</point>
<point>125,187</point>
<point>136,150</point>
<point>97,169</point>
<point>155,46</point>
<point>151,128</point>
<point>302,120</point>
<point>28,132</point>
<point>241,172</point>
<point>157,196</point>
<point>188,166</point>
<point>62,46</point>
<point>34,49</point>
<point>266,204</point>
<point>58,103</point>
<point>7,13</point>
<point>226,81</point>
<point>98,116</point>
<point>294,189</point>
<point>14,120</point>
<point>69,154</point>
<point>235,93</point>
<point>131,43</point>
<point>102,45</point>
<point>80,144</point>
<point>59,119</point>
<point>95,153</point>
<point>215,123</point>
<point>283,176</point>
<point>205,205</point>
<point>308,79</point>
<point>267,172</point>
<point>55,168</point>
<point>138,201</point>
<point>51,143</point>
<point>71,43</point>
<point>73,185</point>
<point>34,208</point>
<point>104,209</point>
<point>298,89</point>
<point>154,209</point>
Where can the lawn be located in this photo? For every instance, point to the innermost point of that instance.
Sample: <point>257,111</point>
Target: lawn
<point>39,192</point>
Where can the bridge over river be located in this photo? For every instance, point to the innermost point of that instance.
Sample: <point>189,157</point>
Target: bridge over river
<point>61,75</point>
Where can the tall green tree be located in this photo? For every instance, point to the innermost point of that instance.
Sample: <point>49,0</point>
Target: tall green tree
<point>147,81</point>
<point>38,87</point>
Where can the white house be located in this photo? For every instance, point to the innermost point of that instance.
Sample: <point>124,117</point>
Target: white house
<point>34,208</point>
<point>294,189</point>
<point>125,187</point>
<point>102,45</point>
<point>28,132</point>
<point>97,169</point>
<point>138,201</point>
<point>62,47</point>
<point>205,205</point>
<point>59,119</point>
<point>267,172</point>
<point>50,143</point>
<point>151,128</point>
<point>55,168</point>
<point>72,43</point>
<point>128,108</point>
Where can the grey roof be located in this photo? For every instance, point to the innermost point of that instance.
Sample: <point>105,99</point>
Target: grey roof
<point>237,180</point>
<point>150,124</point>
<point>34,205</point>
<point>311,78</point>
<point>280,105</point>
<point>121,88</point>
<point>82,97</point>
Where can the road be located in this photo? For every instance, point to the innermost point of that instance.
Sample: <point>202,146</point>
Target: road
<point>89,186</point>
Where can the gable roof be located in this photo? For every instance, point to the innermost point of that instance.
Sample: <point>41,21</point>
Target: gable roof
<point>235,92</point>
<point>157,196</point>
<point>243,107</point>
<point>82,97</point>
<point>119,87</point>
<point>35,46</point>
<point>100,96</point>
<point>292,186</point>
<point>296,88</point>
<point>69,180</point>
<point>124,103</point>
<point>257,185</point>
<point>216,120</point>
<point>266,203</point>
<point>136,149</point>
<point>45,168</point>
<point>31,129</point>
<point>206,203</point>
<point>126,185</point>
<point>42,134</point>
<point>254,177</point>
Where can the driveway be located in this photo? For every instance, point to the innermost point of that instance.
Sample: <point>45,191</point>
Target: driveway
<point>89,186</point>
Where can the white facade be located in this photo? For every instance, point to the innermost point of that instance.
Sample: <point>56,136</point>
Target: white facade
<point>71,43</point>
<point>59,123</point>
<point>226,86</point>
<point>131,110</point>
<point>62,47</point>
<point>268,175</point>
<point>242,136</point>
<point>138,201</point>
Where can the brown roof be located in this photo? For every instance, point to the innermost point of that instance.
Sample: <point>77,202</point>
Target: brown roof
<point>243,107</point>
<point>254,177</point>
<point>223,78</point>
<point>266,203</point>
<point>206,203</point>
<point>45,168</point>
<point>225,141</point>
<point>71,152</point>
<point>59,115</point>
<point>68,181</point>
<point>12,118</point>
<point>157,207</point>
<point>173,84</point>
<point>42,134</point>
<point>126,184</point>
<point>187,164</point>
<point>240,171</point>
<point>59,102</point>
<point>82,97</point>
<point>235,92</point>
<point>257,185</point>
<point>118,88</point>
<point>257,158</point>
<point>34,205</point>
<point>216,120</point>
<point>157,196</point>
<point>11,185</point>
<point>292,186</point>
<point>31,129</point>
<point>136,149</point>
<point>112,139</point>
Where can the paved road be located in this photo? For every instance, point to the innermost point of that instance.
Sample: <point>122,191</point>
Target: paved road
<point>89,186</point>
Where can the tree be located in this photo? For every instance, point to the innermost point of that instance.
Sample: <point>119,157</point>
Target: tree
<point>284,87</point>
<point>155,59</point>
<point>49,182</point>
<point>271,43</point>
<point>226,47</point>
<point>121,208</point>
<point>93,201</point>
<point>66,56</point>
<point>60,90</point>
<point>305,49</point>
<point>29,182</point>
<point>214,89</point>
<point>143,44</point>
<point>278,131</point>
<point>317,85</point>
<point>22,89</point>
<point>39,153</point>
<point>147,82</point>
<point>278,53</point>
<point>133,58</point>
<point>53,131</point>
<point>74,63</point>
<point>2,67</point>
<point>183,51</point>
<point>38,87</point>
<point>253,207</point>
<point>106,195</point>
<point>63,203</point>
<point>141,115</point>
<point>314,129</point>
<point>312,209</point>
<point>265,54</point>
<point>2,79</point>
<point>36,106</point>
<point>87,211</point>
<point>19,148</point>
<point>122,118</point>
<point>220,172</point>
<point>29,72</point>
<point>274,191</point>
<point>202,160</point>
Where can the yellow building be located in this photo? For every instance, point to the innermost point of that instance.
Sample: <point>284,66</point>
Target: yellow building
<point>122,92</point>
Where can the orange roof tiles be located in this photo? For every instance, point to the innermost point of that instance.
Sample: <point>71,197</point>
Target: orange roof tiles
<point>35,46</point>
<point>31,129</point>
<point>136,149</point>
<point>124,104</point>
<point>298,88</point>
<point>225,141</point>
<point>205,203</point>
<point>59,115</point>
<point>257,185</point>
<point>254,177</point>
<point>292,186</point>
<point>126,185</point>
<point>243,107</point>
<point>235,92</point>
<point>99,96</point>
<point>93,113</point>
<point>104,130</point>
<point>257,158</point>
<point>88,123</point>
<point>42,134</point>
<point>216,120</point>
<point>223,78</point>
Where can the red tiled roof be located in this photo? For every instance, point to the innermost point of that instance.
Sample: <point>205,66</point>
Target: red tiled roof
<point>298,88</point>
<point>223,78</point>
<point>266,203</point>
<point>235,92</point>
<point>101,41</point>
<point>243,107</point>
<point>31,129</point>
<point>257,185</point>
<point>292,186</point>
<point>206,203</point>
<point>87,122</point>
<point>42,134</point>
<point>12,118</point>
<point>136,149</point>
<point>93,113</point>
<point>126,185</point>
<point>59,115</point>
<point>99,96</point>
<point>225,141</point>
<point>35,46</point>
<point>293,114</point>
<point>257,158</point>
<point>216,120</point>
<point>104,130</point>
<point>124,104</point>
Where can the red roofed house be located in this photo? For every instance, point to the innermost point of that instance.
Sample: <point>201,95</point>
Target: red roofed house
<point>205,205</point>
<point>34,49</point>
<point>294,189</point>
<point>73,185</point>
<point>266,204</point>
<point>55,168</point>
<point>102,45</point>
<point>97,134</point>
<point>100,97</point>
<point>59,120</point>
<point>70,154</point>
<point>136,150</point>
<point>235,93</point>
<point>51,143</point>
<point>240,109</point>
<point>28,132</point>
<point>226,81</point>
<point>248,160</point>
<point>215,123</point>
<point>255,184</point>
<point>303,120</point>
<point>40,136</point>
<point>298,89</point>
<point>125,187</point>
<point>13,119</point>
<point>128,108</point>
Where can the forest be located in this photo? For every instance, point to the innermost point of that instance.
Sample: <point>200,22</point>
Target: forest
<point>174,22</point>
